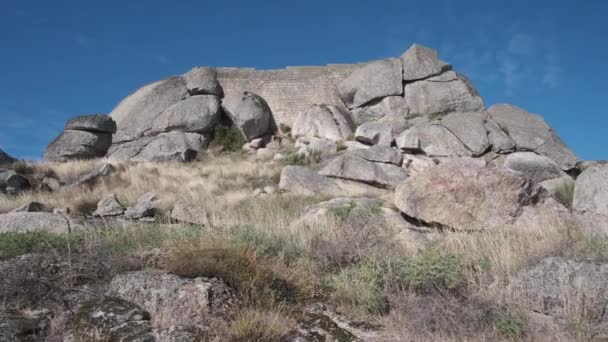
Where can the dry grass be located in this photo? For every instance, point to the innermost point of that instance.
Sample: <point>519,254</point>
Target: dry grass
<point>351,258</point>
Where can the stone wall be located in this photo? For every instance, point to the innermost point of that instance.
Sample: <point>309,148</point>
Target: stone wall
<point>291,90</point>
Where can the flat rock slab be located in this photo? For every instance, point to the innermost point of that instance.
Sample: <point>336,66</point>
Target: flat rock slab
<point>374,80</point>
<point>22,222</point>
<point>172,146</point>
<point>534,166</point>
<point>302,180</point>
<point>421,62</point>
<point>92,123</point>
<point>463,196</point>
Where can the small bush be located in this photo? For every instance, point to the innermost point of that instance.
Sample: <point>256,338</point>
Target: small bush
<point>361,286</point>
<point>564,194</point>
<point>230,138</point>
<point>433,271</point>
<point>510,327</point>
<point>252,324</point>
<point>342,213</point>
<point>303,159</point>
<point>15,244</point>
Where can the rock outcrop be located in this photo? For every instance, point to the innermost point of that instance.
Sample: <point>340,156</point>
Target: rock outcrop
<point>374,80</point>
<point>12,183</point>
<point>84,137</point>
<point>464,195</point>
<point>591,191</point>
<point>249,113</point>
<point>325,122</point>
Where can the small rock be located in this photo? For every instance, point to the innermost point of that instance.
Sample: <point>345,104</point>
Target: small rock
<point>12,183</point>
<point>109,206</point>
<point>185,212</point>
<point>270,189</point>
<point>257,192</point>
<point>144,207</point>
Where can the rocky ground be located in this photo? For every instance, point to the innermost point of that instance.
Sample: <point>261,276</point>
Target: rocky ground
<point>411,213</point>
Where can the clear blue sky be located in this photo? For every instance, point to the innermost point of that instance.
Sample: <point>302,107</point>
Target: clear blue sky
<point>60,58</point>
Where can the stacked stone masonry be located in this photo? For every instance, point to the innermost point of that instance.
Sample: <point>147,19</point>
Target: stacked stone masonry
<point>291,90</point>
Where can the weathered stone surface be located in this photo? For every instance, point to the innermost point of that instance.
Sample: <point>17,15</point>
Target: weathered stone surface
<point>421,62</point>
<point>144,207</point>
<point>432,139</point>
<point>12,183</point>
<point>556,285</point>
<point>109,206</point>
<point>591,190</point>
<point>308,146</point>
<point>433,96</point>
<point>166,296</point>
<point>113,319</point>
<point>501,141</point>
<point>250,113</point>
<point>91,178</point>
<point>354,166</point>
<point>470,129</point>
<point>415,164</point>
<point>380,154</point>
<point>134,114</point>
<point>177,334</point>
<point>5,158</point>
<point>463,196</point>
<point>188,213</point>
<point>536,167</point>
<point>172,146</point>
<point>78,145</point>
<point>196,114</point>
<point>100,123</point>
<point>379,133</point>
<point>32,207</point>
<point>374,80</point>
<point>323,121</point>
<point>390,108</point>
<point>30,222</point>
<point>531,133</point>
<point>591,224</point>
<point>203,81</point>
<point>302,180</point>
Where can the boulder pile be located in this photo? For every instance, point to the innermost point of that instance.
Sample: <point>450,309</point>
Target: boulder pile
<point>84,137</point>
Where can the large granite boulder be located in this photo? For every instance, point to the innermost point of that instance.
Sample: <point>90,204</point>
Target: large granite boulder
<point>12,183</point>
<point>323,121</point>
<point>421,62</point>
<point>591,190</point>
<point>536,167</point>
<point>250,113</point>
<point>5,158</point>
<point>203,81</point>
<point>464,195</point>
<point>455,135</point>
<point>191,302</point>
<point>448,92</point>
<point>196,114</point>
<point>558,286</point>
<point>390,108</point>
<point>378,133</point>
<point>99,123</point>
<point>377,166</point>
<point>372,81</point>
<point>531,133</point>
<point>71,144</point>
<point>171,146</point>
<point>134,114</point>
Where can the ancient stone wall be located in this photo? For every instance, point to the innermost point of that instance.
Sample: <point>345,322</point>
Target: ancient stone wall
<point>291,90</point>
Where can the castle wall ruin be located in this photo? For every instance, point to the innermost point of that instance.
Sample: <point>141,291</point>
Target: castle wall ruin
<point>291,90</point>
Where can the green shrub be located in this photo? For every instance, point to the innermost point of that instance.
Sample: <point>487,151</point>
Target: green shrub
<point>361,286</point>
<point>510,327</point>
<point>230,138</point>
<point>15,244</point>
<point>433,270</point>
<point>564,194</point>
<point>303,159</point>
<point>342,213</point>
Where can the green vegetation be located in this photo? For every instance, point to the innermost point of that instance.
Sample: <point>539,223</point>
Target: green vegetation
<point>433,271</point>
<point>230,138</point>
<point>303,159</point>
<point>362,286</point>
<point>14,244</point>
<point>510,327</point>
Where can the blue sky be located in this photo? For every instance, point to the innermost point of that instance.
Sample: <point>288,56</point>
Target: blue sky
<point>60,58</point>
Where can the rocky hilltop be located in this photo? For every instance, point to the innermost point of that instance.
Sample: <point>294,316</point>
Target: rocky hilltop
<point>379,201</point>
